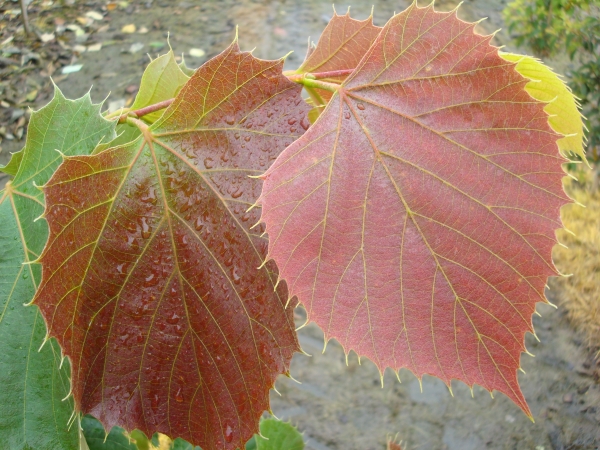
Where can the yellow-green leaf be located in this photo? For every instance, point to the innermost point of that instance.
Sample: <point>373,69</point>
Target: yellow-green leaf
<point>162,80</point>
<point>562,107</point>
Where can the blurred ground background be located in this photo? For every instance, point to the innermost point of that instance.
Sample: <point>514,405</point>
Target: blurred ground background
<point>105,44</point>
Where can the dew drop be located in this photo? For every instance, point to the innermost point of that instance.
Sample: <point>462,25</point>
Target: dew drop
<point>150,197</point>
<point>228,433</point>
<point>247,138</point>
<point>292,121</point>
<point>305,123</point>
<point>346,115</point>
<point>25,276</point>
<point>179,396</point>
<point>238,193</point>
<point>146,229</point>
<point>150,280</point>
<point>360,106</point>
<point>229,120</point>
<point>173,319</point>
<point>209,163</point>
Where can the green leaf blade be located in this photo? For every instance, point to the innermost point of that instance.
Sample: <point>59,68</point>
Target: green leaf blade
<point>13,165</point>
<point>162,80</point>
<point>280,435</point>
<point>33,413</point>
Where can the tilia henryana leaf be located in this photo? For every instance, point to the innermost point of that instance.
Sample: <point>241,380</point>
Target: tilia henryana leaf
<point>562,106</point>
<point>415,219</point>
<point>34,383</point>
<point>150,279</point>
<point>342,45</point>
<point>162,80</point>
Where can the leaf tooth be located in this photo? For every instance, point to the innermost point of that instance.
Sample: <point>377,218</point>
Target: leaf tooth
<point>521,369</point>
<point>325,342</point>
<point>289,375</point>
<point>39,188</point>
<point>256,224</point>
<point>397,373</point>
<point>449,386</point>
<point>278,279</point>
<point>68,393</point>
<point>35,261</point>
<point>275,389</point>
<point>303,325</point>
<point>254,205</point>
<point>46,338</point>
<point>71,420</point>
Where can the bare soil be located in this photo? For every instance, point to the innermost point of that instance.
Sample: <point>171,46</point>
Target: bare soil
<point>338,406</point>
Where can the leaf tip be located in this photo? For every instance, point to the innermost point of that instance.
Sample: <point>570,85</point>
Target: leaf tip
<point>303,325</point>
<point>40,188</point>
<point>68,393</point>
<point>310,356</point>
<point>289,375</point>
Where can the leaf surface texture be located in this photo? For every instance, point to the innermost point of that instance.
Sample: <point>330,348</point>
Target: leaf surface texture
<point>415,219</point>
<point>150,279</point>
<point>33,380</point>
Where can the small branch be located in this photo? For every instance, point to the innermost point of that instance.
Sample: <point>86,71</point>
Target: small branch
<point>118,113</point>
<point>310,83</point>
<point>124,113</point>
<point>332,74</point>
<point>136,123</point>
<point>24,17</point>
<point>152,108</point>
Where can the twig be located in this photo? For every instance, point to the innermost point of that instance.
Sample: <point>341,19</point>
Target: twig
<point>24,16</point>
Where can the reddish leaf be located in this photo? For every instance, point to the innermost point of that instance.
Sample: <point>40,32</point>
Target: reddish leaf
<point>342,45</point>
<point>149,275</point>
<point>416,217</point>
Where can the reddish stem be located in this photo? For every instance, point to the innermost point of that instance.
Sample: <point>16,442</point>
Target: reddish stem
<point>146,110</point>
<point>332,74</point>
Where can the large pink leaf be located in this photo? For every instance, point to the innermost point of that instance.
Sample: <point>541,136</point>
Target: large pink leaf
<point>415,219</point>
<point>150,279</point>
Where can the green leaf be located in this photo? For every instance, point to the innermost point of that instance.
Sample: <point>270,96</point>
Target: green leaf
<point>280,436</point>
<point>32,414</point>
<point>562,107</point>
<point>97,440</point>
<point>13,165</point>
<point>180,444</point>
<point>162,80</point>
